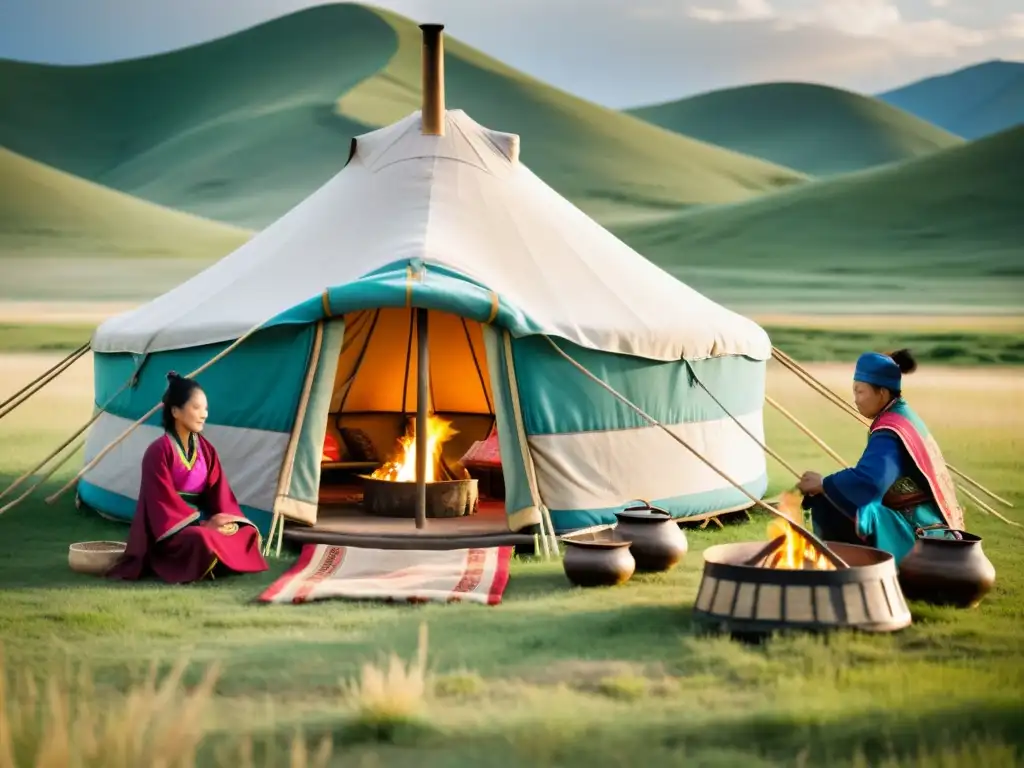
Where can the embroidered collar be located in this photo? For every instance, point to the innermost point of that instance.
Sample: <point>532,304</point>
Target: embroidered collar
<point>188,457</point>
<point>892,404</point>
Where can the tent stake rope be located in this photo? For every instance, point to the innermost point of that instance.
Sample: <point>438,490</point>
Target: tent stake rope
<point>42,380</point>
<point>806,430</point>
<point>100,411</point>
<point>816,385</point>
<point>818,545</point>
<point>828,394</point>
<point>100,456</point>
<point>31,489</point>
<point>739,424</point>
<point>839,459</point>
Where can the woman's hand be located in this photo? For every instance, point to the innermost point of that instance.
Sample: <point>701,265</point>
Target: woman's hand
<point>810,484</point>
<point>218,520</point>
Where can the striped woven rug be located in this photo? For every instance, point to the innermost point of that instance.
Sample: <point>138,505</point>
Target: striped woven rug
<point>325,572</point>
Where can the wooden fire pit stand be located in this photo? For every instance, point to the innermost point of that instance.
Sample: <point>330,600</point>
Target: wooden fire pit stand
<point>444,498</point>
<point>739,596</point>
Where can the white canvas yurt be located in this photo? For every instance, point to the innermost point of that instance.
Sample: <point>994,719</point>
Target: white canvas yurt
<point>448,225</point>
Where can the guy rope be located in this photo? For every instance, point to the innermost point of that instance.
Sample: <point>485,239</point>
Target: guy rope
<point>99,412</point>
<point>23,394</point>
<point>815,384</point>
<point>99,457</point>
<point>819,545</point>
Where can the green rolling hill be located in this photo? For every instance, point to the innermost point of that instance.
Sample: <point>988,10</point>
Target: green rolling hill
<point>61,235</point>
<point>941,233</point>
<point>44,211</point>
<point>972,102</point>
<point>814,128</point>
<point>242,128</point>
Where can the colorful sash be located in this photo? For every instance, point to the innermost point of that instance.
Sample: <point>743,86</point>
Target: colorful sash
<point>899,419</point>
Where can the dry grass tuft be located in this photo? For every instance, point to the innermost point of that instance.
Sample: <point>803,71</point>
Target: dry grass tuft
<point>459,685</point>
<point>296,756</point>
<point>64,721</point>
<point>624,687</point>
<point>391,694</point>
<point>989,754</point>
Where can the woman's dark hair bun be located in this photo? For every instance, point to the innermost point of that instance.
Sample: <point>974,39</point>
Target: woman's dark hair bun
<point>172,375</point>
<point>905,360</point>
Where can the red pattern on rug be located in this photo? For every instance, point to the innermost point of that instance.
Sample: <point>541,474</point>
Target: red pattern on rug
<point>323,572</point>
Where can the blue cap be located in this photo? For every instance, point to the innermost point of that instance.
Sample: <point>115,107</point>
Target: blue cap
<point>879,370</point>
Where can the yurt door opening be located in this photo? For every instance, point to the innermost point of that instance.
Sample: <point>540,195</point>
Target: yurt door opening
<point>368,469</point>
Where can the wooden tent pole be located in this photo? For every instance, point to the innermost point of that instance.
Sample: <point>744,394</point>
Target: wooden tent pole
<point>806,430</point>
<point>762,446</point>
<point>408,362</point>
<point>815,542</point>
<point>102,454</point>
<point>422,403</point>
<point>476,363</point>
<point>99,412</point>
<point>824,390</point>
<point>33,387</point>
<point>49,473</point>
<point>44,374</point>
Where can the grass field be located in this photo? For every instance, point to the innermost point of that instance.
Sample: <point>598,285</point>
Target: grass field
<point>554,675</point>
<point>813,128</point>
<point>939,234</point>
<point>242,128</point>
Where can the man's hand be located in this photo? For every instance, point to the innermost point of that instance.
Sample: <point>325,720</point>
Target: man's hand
<point>810,484</point>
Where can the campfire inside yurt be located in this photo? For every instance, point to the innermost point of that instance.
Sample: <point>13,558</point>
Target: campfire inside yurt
<point>391,489</point>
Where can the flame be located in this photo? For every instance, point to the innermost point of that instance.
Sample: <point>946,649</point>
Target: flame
<point>796,553</point>
<point>401,467</point>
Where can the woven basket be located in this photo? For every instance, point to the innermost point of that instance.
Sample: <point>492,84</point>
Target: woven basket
<point>95,557</point>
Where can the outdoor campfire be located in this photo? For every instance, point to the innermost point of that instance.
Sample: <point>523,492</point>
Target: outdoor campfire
<point>793,583</point>
<point>390,491</point>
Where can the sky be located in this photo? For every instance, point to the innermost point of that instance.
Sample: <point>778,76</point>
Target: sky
<point>615,52</point>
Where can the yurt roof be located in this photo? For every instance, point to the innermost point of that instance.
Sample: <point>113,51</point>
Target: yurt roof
<point>464,202</point>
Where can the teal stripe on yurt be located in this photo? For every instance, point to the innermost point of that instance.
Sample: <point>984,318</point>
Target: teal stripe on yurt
<point>557,398</point>
<point>120,507</point>
<point>305,480</point>
<point>517,484</point>
<point>256,386</point>
<point>435,287</point>
<point>680,507</point>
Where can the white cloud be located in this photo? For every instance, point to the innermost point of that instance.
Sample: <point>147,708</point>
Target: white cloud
<point>876,19</point>
<point>744,10</point>
<point>938,3</point>
<point>1014,25</point>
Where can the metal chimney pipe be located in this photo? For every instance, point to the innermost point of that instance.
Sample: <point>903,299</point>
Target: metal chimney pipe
<point>433,80</point>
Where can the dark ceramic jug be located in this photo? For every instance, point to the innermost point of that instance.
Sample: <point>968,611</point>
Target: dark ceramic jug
<point>658,543</point>
<point>597,563</point>
<point>947,571</point>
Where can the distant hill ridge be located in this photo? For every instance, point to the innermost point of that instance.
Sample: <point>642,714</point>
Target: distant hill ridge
<point>242,128</point>
<point>972,102</point>
<point>44,211</point>
<point>813,128</point>
<point>941,230</point>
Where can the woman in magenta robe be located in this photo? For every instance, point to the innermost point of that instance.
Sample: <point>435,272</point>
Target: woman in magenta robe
<point>187,525</point>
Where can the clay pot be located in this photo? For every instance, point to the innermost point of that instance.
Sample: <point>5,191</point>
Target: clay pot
<point>657,542</point>
<point>947,571</point>
<point>597,563</point>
